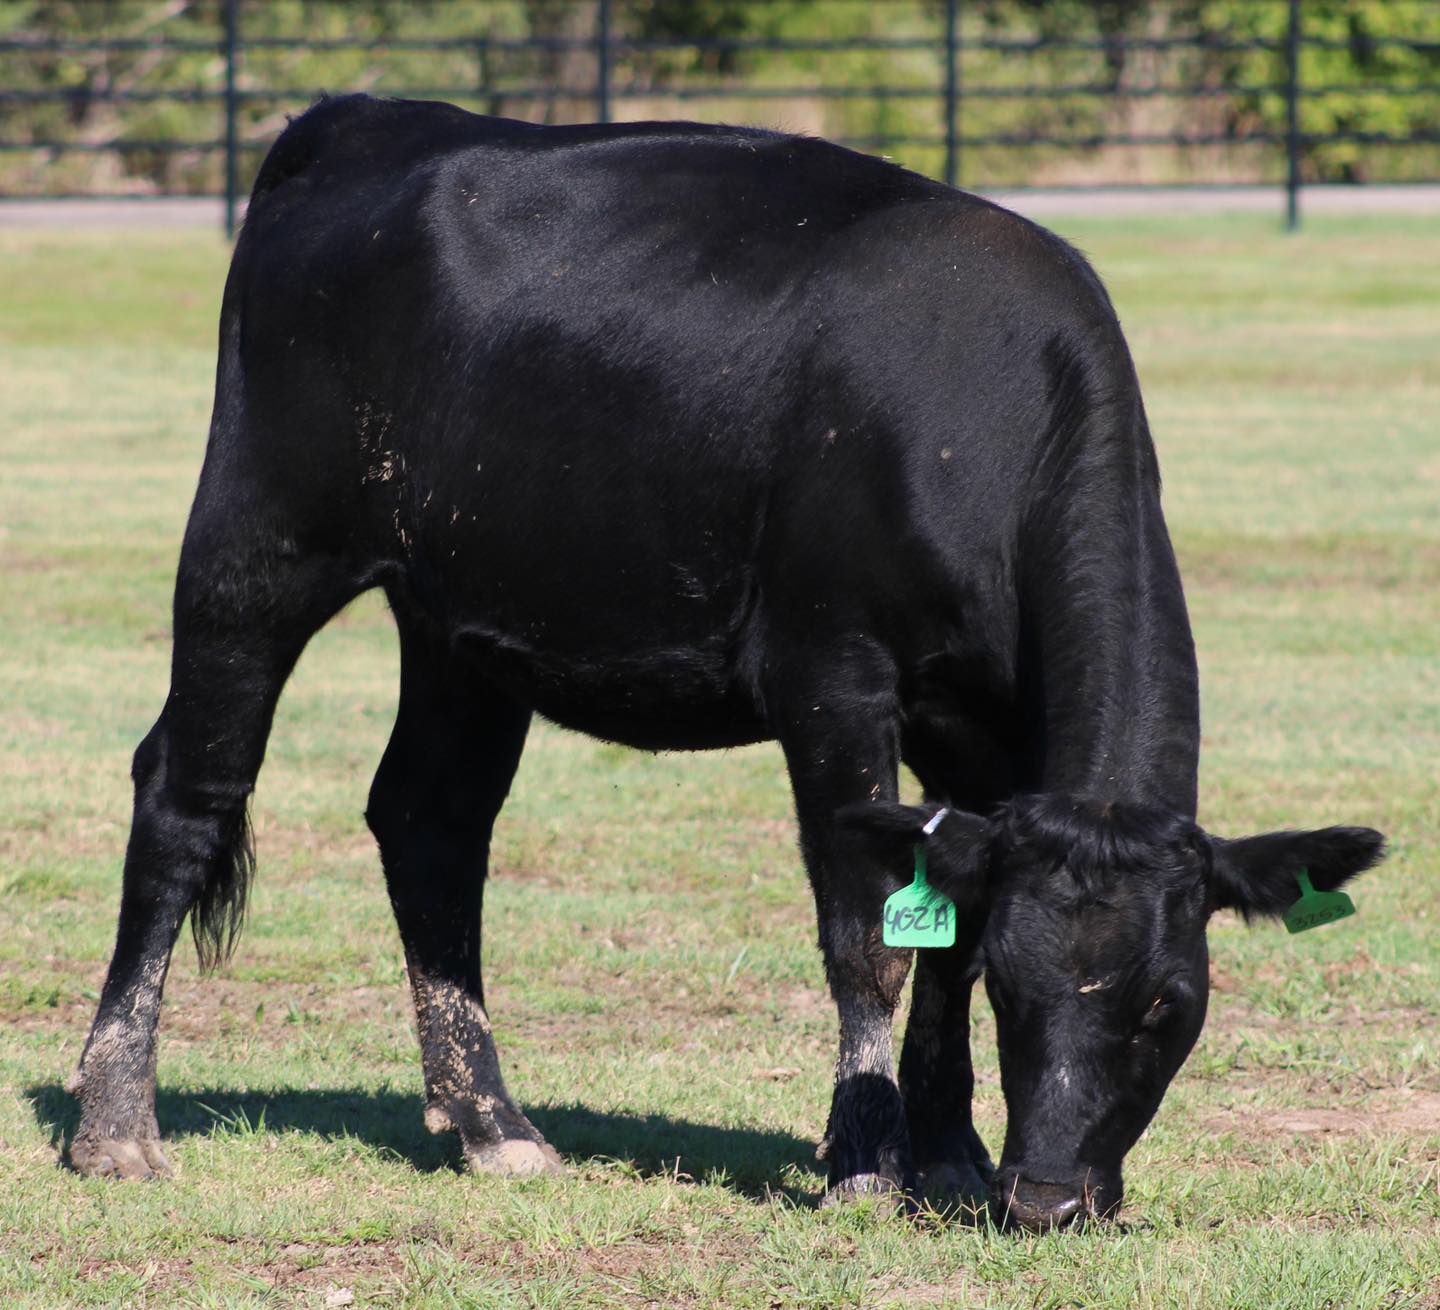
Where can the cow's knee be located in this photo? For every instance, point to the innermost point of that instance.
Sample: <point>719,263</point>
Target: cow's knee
<point>866,977</point>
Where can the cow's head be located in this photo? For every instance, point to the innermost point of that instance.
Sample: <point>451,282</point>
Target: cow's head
<point>1095,962</point>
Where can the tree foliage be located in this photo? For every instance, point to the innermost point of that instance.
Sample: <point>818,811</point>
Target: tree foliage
<point>1072,70</point>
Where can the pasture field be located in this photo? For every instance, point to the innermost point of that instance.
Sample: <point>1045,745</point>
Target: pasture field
<point>650,954</point>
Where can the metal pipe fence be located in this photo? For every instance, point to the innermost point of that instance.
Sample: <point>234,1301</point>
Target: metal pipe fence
<point>619,80</point>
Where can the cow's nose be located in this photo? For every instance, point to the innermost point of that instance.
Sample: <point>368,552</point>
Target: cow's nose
<point>1039,1207</point>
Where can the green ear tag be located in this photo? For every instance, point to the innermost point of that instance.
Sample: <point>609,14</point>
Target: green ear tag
<point>1315,909</point>
<point>918,915</point>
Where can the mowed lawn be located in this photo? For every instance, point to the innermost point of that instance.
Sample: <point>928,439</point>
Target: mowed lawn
<point>650,954</point>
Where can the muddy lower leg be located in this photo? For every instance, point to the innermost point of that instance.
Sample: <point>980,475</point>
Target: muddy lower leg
<point>445,775</point>
<point>189,848</point>
<point>464,1090</point>
<point>866,1140</point>
<point>115,1083</point>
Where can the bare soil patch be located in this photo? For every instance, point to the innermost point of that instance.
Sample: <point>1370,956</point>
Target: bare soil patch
<point>1401,1112</point>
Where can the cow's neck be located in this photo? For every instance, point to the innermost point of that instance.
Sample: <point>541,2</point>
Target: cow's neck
<point>1108,658</point>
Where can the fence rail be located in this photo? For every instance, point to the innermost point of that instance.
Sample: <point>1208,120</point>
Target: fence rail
<point>610,51</point>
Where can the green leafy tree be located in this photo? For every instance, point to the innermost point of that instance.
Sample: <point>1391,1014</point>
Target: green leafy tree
<point>162,81</point>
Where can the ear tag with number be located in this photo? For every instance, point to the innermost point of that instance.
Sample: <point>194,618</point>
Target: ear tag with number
<point>918,915</point>
<point>1315,909</point>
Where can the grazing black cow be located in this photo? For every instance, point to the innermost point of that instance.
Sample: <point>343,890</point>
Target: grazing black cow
<point>689,437</point>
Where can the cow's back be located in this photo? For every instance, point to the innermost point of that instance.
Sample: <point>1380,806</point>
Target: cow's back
<point>630,404</point>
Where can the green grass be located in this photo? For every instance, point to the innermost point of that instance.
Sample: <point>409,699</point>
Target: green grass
<point>677,1048</point>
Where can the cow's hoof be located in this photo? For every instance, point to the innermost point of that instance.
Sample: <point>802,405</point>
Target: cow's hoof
<point>955,1190</point>
<point>885,1192</point>
<point>516,1158</point>
<point>118,1157</point>
<point>438,1120</point>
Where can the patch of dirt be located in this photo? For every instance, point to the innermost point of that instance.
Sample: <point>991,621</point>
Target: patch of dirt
<point>622,1264</point>
<point>893,1292</point>
<point>302,1266</point>
<point>204,1010</point>
<point>197,1009</point>
<point>780,1074</point>
<point>14,561</point>
<point>1402,1112</point>
<point>1284,564</point>
<point>1233,1011</point>
<point>157,1276</point>
<point>333,1267</point>
<point>807,1003</point>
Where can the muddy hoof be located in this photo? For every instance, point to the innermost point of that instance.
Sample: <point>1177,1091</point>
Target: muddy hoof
<point>516,1159</point>
<point>118,1157</point>
<point>955,1189</point>
<point>438,1120</point>
<point>886,1192</point>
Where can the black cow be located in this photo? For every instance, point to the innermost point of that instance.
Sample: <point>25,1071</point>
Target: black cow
<point>688,437</point>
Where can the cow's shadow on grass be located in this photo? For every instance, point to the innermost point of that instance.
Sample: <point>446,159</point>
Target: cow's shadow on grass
<point>751,1161</point>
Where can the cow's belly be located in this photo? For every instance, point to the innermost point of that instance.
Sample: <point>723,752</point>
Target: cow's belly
<point>620,610</point>
<point>654,694</point>
<point>605,634</point>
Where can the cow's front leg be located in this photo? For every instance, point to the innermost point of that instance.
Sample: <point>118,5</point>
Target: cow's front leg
<point>866,1142</point>
<point>443,779</point>
<point>937,1081</point>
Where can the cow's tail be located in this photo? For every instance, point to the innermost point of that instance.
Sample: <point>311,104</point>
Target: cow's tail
<point>190,847</point>
<point>219,912</point>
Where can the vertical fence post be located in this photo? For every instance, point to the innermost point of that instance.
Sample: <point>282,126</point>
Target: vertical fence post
<point>952,92</point>
<point>1292,119</point>
<point>232,115</point>
<point>602,62</point>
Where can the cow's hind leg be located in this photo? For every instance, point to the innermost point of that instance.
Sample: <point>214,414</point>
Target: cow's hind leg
<point>442,781</point>
<point>245,605</point>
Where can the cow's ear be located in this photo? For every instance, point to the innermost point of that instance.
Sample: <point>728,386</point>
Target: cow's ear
<point>887,825</point>
<point>957,843</point>
<point>1258,875</point>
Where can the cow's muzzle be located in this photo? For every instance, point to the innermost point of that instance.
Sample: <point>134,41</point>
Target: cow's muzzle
<point>1039,1207</point>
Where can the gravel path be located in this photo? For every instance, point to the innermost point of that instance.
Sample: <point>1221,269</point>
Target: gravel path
<point>206,211</point>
